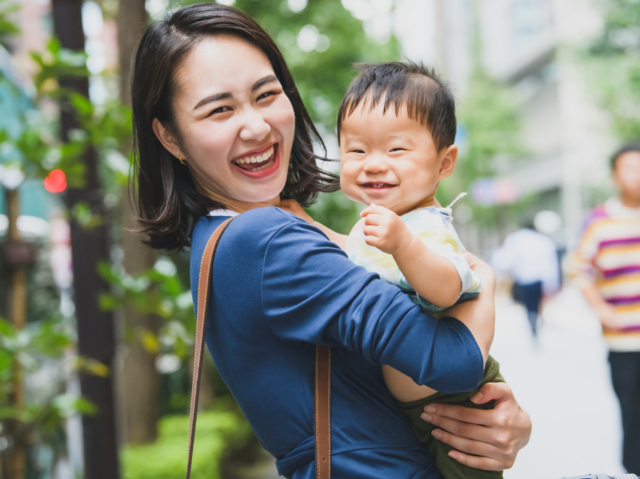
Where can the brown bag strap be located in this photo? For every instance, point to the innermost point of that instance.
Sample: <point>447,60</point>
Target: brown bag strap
<point>323,412</point>
<point>206,265</point>
<point>322,369</point>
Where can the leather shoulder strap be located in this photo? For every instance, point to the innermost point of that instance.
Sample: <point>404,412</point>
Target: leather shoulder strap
<point>322,369</point>
<point>323,412</point>
<point>204,282</point>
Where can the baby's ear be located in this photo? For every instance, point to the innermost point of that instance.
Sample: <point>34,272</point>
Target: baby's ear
<point>448,161</point>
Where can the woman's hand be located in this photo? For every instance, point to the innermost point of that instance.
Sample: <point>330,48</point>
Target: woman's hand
<point>293,207</point>
<point>487,439</point>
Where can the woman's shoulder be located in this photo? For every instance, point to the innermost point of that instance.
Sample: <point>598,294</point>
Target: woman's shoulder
<point>257,226</point>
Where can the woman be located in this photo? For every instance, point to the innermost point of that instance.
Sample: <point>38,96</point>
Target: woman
<point>220,130</point>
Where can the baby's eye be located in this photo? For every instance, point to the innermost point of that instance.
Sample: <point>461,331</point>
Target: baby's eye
<point>356,151</point>
<point>398,149</point>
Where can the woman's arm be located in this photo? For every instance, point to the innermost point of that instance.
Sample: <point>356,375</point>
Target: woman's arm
<point>311,291</point>
<point>484,439</point>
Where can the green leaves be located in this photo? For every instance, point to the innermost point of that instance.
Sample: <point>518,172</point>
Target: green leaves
<point>57,63</point>
<point>617,52</point>
<point>37,146</point>
<point>7,27</point>
<point>81,212</point>
<point>25,351</point>
<point>157,291</point>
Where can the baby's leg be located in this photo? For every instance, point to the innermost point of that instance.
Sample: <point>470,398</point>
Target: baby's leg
<point>402,387</point>
<point>448,467</point>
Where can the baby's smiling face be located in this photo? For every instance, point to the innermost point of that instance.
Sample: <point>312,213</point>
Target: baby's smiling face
<point>391,160</point>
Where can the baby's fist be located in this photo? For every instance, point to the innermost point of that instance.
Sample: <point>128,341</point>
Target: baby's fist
<point>383,229</point>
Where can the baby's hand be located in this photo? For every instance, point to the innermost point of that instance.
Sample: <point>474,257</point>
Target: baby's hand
<point>384,229</point>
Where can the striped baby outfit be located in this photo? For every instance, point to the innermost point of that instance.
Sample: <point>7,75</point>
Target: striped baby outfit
<point>433,227</point>
<point>608,255</point>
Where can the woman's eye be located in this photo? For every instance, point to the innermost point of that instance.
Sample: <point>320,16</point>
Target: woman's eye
<point>267,94</point>
<point>220,109</point>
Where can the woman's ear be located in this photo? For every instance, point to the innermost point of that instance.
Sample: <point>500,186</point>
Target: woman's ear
<point>167,138</point>
<point>448,162</point>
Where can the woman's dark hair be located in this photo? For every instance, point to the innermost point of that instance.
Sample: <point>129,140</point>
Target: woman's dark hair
<point>168,204</point>
<point>628,148</point>
<point>428,99</point>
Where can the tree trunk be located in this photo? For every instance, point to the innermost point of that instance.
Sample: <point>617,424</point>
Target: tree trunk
<point>17,457</point>
<point>89,246</point>
<point>139,378</point>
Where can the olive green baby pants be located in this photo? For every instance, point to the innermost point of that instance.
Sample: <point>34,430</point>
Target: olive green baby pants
<point>450,468</point>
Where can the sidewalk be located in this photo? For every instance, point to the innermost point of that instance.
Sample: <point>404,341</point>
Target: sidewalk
<point>564,383</point>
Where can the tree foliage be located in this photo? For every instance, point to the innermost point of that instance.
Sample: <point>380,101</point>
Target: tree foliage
<point>8,28</point>
<point>489,139</point>
<point>616,51</point>
<point>47,343</point>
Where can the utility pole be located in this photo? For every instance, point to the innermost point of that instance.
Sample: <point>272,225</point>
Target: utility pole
<point>96,337</point>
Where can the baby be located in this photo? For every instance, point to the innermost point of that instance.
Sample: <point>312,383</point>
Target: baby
<point>396,128</point>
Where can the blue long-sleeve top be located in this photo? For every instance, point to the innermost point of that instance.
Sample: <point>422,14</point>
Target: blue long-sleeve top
<point>279,287</point>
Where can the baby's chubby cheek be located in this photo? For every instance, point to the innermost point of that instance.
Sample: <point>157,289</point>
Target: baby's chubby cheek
<point>348,184</point>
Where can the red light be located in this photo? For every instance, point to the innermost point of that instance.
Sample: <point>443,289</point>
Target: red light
<point>56,182</point>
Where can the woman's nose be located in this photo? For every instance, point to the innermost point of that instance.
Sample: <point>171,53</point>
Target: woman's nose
<point>254,127</point>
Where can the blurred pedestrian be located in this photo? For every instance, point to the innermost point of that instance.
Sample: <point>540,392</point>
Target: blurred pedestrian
<point>606,267</point>
<point>530,258</point>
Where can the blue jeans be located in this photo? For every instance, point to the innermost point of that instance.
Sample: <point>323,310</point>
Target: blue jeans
<point>529,295</point>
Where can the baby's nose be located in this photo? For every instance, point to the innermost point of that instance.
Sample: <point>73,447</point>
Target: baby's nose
<point>375,164</point>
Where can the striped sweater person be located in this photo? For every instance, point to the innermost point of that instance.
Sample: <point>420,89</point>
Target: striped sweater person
<point>608,256</point>
<point>607,263</point>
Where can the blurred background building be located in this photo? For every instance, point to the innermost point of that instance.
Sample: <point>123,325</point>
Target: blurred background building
<point>530,46</point>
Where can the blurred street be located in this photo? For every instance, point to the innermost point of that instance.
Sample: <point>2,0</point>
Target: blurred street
<point>564,383</point>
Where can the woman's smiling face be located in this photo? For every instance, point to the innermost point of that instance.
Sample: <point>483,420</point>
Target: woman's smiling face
<point>235,124</point>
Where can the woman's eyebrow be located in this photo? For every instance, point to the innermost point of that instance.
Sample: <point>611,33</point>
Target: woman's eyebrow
<point>263,81</point>
<point>212,98</point>
<point>224,96</point>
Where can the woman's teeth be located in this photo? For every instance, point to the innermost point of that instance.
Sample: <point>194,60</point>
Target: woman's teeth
<point>262,167</point>
<point>256,159</point>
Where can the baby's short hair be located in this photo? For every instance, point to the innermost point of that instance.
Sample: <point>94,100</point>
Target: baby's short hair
<point>427,98</point>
